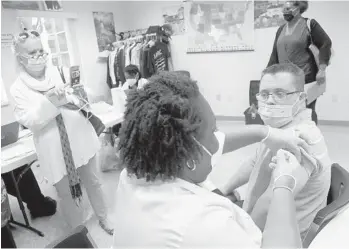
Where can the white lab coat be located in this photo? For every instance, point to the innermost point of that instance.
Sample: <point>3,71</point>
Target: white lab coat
<point>178,214</point>
<point>37,113</point>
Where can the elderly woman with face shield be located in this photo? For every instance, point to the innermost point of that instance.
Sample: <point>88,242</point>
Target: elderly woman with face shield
<point>65,141</point>
<point>169,143</point>
<point>292,43</point>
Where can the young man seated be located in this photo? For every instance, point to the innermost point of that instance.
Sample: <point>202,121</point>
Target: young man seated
<point>282,104</point>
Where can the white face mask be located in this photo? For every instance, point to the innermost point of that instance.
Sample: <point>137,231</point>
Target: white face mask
<point>218,154</point>
<point>131,82</point>
<point>207,184</point>
<point>279,115</point>
<point>35,65</point>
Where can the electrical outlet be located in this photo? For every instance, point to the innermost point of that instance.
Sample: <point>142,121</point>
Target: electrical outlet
<point>218,97</point>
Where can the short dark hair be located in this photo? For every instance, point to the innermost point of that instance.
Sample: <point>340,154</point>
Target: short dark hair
<point>160,122</point>
<point>287,68</point>
<point>303,6</point>
<point>132,70</point>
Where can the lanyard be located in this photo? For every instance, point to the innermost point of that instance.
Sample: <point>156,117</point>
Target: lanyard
<point>60,70</point>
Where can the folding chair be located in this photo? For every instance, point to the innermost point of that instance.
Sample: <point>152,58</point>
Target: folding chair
<point>78,238</point>
<point>338,198</point>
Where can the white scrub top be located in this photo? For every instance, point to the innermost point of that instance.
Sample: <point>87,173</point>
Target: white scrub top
<point>178,214</point>
<point>37,113</point>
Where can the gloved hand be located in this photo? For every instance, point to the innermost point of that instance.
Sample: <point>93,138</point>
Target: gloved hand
<point>285,166</point>
<point>285,139</point>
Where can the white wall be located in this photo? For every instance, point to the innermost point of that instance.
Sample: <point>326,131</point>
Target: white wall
<point>224,77</point>
<point>94,72</point>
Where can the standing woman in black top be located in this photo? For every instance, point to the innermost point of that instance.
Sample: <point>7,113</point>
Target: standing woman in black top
<point>292,43</point>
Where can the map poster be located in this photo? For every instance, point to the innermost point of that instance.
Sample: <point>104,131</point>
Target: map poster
<point>268,14</point>
<point>219,26</point>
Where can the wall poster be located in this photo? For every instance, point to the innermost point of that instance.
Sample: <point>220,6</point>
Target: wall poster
<point>268,14</point>
<point>219,26</point>
<point>49,5</point>
<point>174,15</point>
<point>105,29</point>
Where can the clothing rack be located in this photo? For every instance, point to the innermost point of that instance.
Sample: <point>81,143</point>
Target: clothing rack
<point>138,38</point>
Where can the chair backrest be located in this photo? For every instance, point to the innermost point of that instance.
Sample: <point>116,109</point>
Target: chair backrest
<point>78,238</point>
<point>251,113</point>
<point>338,198</point>
<point>254,89</point>
<point>183,72</point>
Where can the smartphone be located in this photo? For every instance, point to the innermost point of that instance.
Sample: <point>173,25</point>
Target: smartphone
<point>74,75</point>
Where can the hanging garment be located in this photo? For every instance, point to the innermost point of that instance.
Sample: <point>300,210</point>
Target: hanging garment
<point>158,58</point>
<point>120,60</point>
<point>145,69</point>
<point>112,77</point>
<point>135,55</point>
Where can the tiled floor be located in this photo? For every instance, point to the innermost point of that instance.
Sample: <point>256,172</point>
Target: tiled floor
<point>337,140</point>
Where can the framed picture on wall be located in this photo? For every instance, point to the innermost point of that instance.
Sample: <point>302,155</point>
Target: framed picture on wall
<point>268,14</point>
<point>53,5</point>
<point>219,26</point>
<point>33,5</point>
<point>22,5</point>
<point>174,16</point>
<point>105,29</point>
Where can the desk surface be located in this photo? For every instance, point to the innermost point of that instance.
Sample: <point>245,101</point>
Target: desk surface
<point>18,154</point>
<point>23,151</point>
<point>108,114</point>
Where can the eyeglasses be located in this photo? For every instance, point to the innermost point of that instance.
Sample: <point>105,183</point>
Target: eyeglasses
<point>35,56</point>
<point>278,96</point>
<point>24,35</point>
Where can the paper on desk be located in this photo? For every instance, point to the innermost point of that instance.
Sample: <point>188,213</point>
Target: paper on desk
<point>101,108</point>
<point>314,91</point>
<point>15,151</point>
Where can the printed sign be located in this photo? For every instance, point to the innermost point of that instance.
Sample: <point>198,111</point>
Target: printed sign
<point>6,40</point>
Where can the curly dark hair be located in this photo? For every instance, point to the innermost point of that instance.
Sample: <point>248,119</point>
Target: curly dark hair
<point>303,6</point>
<point>156,137</point>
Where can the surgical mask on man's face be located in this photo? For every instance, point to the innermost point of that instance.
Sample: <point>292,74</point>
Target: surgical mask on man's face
<point>279,115</point>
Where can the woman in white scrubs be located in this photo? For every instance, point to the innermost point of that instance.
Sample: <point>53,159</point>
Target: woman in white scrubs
<point>65,141</point>
<point>168,144</point>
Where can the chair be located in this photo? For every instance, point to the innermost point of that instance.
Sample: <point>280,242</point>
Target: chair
<point>183,72</point>
<point>338,198</point>
<point>78,238</point>
<point>251,113</point>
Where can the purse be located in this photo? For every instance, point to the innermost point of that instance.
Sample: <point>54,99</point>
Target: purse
<point>314,50</point>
